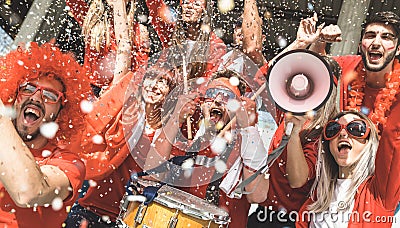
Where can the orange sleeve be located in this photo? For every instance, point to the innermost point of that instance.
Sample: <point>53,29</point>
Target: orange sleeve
<point>159,12</point>
<point>106,121</point>
<point>386,181</point>
<point>73,167</point>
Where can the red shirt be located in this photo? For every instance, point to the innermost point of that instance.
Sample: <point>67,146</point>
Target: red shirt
<point>280,194</point>
<point>100,65</point>
<point>13,216</point>
<point>110,163</point>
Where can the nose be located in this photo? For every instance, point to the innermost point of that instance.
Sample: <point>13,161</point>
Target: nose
<point>343,133</point>
<point>377,41</point>
<point>37,96</point>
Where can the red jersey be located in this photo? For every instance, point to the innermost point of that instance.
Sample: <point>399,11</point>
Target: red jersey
<point>13,216</point>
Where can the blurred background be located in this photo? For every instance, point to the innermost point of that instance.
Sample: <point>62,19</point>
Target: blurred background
<point>41,20</point>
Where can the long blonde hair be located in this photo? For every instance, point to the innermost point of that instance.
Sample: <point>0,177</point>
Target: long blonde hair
<point>98,21</point>
<point>328,170</point>
<point>199,54</point>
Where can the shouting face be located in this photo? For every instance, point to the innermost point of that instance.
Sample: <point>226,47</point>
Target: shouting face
<point>348,137</point>
<point>379,46</point>
<point>38,101</point>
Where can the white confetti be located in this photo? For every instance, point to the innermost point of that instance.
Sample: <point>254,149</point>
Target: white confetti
<point>136,198</point>
<point>200,81</point>
<point>220,166</point>
<point>97,139</point>
<point>282,42</point>
<point>218,145</point>
<point>225,6</point>
<point>188,164</point>
<point>57,204</point>
<point>8,111</point>
<point>46,153</point>
<point>219,32</point>
<point>49,129</point>
<point>142,18</point>
<point>92,183</point>
<point>105,218</point>
<point>233,105</point>
<point>234,81</point>
<point>86,106</point>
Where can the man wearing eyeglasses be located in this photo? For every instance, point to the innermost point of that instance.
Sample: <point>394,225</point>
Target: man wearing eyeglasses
<point>220,160</point>
<point>40,179</point>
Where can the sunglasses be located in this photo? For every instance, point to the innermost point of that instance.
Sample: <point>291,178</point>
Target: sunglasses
<point>357,129</point>
<point>224,93</point>
<point>51,96</point>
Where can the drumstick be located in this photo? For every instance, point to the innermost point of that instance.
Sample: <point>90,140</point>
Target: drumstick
<point>233,120</point>
<point>185,91</point>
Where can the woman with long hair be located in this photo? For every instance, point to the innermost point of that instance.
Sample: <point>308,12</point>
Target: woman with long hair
<point>108,27</point>
<point>292,174</point>
<point>357,183</point>
<point>191,34</point>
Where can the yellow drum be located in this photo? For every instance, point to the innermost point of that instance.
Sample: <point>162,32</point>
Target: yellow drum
<point>171,208</point>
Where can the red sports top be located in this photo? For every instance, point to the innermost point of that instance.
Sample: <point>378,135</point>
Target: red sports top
<point>13,216</point>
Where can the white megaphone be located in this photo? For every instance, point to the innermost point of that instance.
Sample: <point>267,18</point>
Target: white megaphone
<point>300,81</point>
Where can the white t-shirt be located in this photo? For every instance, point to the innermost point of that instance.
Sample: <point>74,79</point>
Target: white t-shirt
<point>334,217</point>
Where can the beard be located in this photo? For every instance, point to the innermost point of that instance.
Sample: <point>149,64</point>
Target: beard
<point>388,60</point>
<point>23,133</point>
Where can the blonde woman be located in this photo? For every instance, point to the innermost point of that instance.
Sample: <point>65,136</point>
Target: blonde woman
<point>108,28</point>
<point>357,183</point>
<point>193,29</point>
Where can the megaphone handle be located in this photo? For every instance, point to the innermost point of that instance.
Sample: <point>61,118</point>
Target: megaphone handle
<point>289,128</point>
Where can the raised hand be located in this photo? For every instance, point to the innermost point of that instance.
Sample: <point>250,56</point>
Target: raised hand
<point>308,33</point>
<point>330,34</point>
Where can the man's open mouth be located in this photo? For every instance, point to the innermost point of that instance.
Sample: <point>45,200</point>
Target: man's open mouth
<point>216,114</point>
<point>32,114</point>
<point>375,55</point>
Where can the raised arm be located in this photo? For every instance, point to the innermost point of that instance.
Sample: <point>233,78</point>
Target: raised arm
<point>161,150</point>
<point>300,164</point>
<point>27,182</point>
<point>122,26</point>
<point>307,34</point>
<point>160,14</point>
<point>252,33</point>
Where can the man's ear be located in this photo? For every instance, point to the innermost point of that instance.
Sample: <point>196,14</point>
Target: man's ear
<point>398,49</point>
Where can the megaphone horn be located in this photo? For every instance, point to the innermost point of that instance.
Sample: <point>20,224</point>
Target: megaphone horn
<point>300,81</point>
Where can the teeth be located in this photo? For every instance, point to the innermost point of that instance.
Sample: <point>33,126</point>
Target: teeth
<point>33,111</point>
<point>344,144</point>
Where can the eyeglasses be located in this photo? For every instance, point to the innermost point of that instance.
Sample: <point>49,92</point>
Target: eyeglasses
<point>48,95</point>
<point>356,128</point>
<point>224,93</point>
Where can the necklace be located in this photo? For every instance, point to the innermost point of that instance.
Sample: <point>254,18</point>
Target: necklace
<point>384,99</point>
